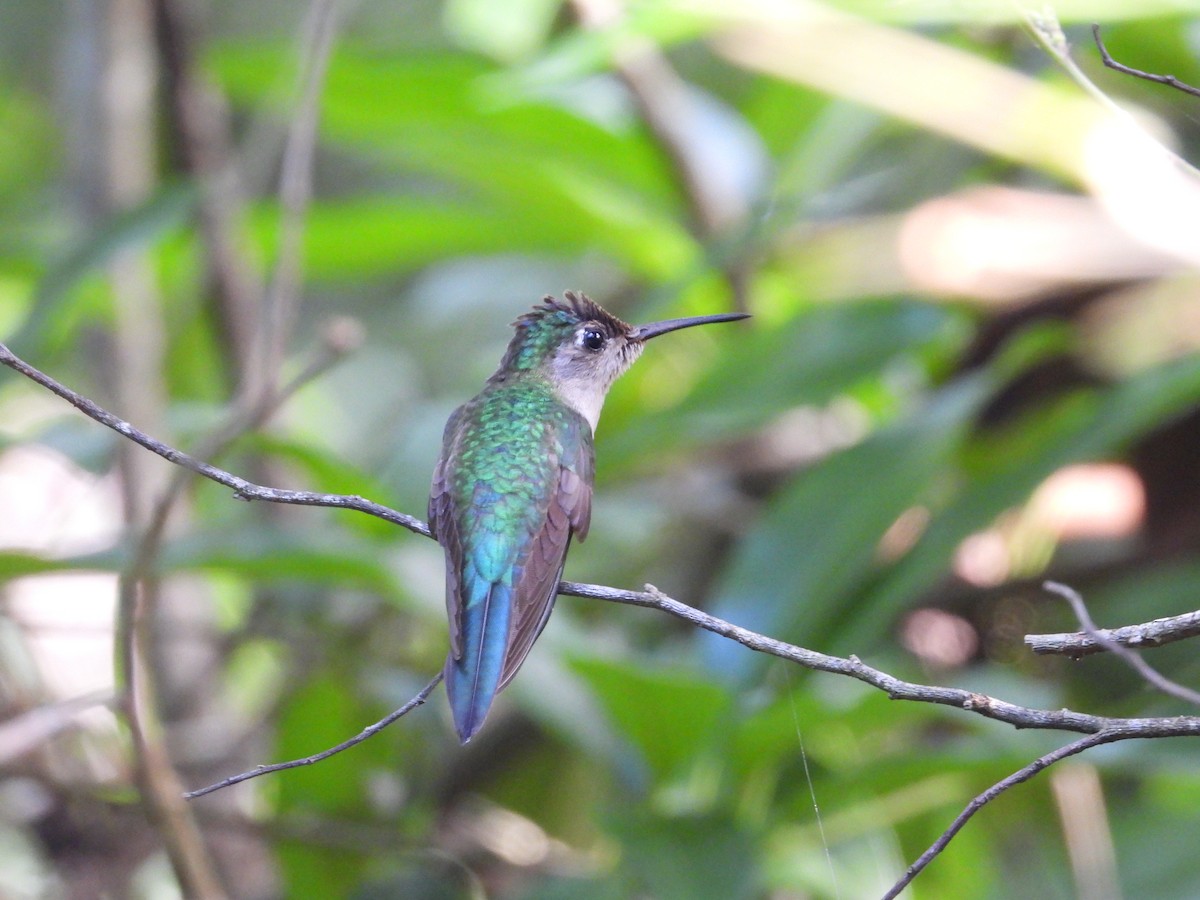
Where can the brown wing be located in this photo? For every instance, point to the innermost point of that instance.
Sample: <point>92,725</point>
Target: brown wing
<point>569,513</point>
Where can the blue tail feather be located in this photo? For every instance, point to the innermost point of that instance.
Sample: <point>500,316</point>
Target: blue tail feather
<point>472,680</point>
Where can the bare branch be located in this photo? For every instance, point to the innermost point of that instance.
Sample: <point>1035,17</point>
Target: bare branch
<point>156,776</point>
<point>27,731</point>
<point>1145,635</point>
<point>1099,729</point>
<point>136,607</point>
<point>1107,729</point>
<point>981,704</point>
<point>1139,665</point>
<point>666,106</point>
<point>295,193</point>
<point>895,688</point>
<point>243,489</point>
<point>1021,775</point>
<point>197,118</point>
<point>367,732</point>
<point>1169,80</point>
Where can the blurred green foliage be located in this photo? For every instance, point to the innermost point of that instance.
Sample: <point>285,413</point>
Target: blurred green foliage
<point>813,476</point>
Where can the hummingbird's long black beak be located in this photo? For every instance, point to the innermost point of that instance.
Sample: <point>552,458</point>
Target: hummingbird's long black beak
<point>654,329</point>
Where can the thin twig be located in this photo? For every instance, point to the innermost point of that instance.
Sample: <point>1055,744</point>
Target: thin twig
<point>1139,665</point>
<point>1169,80</point>
<point>156,776</point>
<point>295,194</point>
<point>895,688</point>
<point>853,667</point>
<point>138,359</point>
<point>250,311</point>
<point>1021,775</point>
<point>197,117</point>
<point>29,730</point>
<point>135,634</point>
<point>383,723</point>
<point>1144,635</point>
<point>1099,729</point>
<point>243,489</point>
<point>666,107</point>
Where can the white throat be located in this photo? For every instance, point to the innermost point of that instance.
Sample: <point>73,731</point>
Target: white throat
<point>584,398</point>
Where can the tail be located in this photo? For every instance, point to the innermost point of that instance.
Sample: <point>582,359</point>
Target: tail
<point>472,679</point>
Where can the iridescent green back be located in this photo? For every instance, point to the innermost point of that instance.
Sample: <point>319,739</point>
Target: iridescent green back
<point>511,488</point>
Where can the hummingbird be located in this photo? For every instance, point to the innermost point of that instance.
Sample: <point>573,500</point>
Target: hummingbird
<point>513,486</point>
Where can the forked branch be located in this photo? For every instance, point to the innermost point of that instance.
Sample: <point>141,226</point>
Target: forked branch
<point>1169,80</point>
<point>1098,729</point>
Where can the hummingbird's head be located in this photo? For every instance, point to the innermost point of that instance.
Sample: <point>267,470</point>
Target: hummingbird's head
<point>581,348</point>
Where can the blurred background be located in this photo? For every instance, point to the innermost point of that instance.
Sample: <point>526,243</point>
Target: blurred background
<point>972,366</point>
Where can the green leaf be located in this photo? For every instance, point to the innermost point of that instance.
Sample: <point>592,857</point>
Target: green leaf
<point>331,474</point>
<point>571,888</point>
<point>1004,468</point>
<point>685,858</point>
<point>670,716</point>
<point>165,210</point>
<point>817,542</point>
<point>506,31</point>
<point>15,564</point>
<point>263,553</point>
<point>763,372</point>
<point>320,715</point>
<point>530,166</point>
<point>379,236</point>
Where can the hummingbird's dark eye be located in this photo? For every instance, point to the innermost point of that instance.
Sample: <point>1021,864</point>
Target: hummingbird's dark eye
<point>593,339</point>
